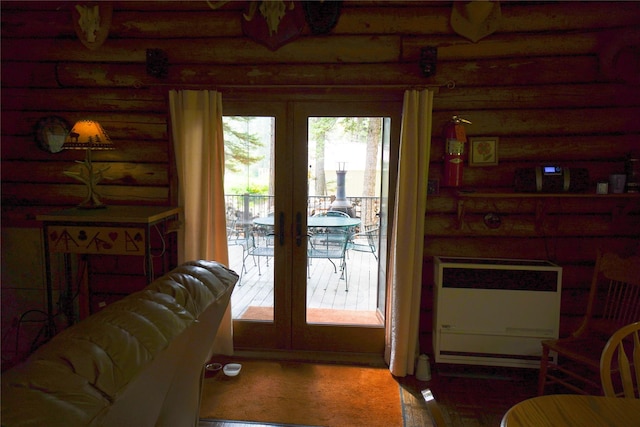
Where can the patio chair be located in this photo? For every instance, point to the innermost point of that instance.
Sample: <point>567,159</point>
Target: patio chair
<point>329,213</point>
<point>337,213</point>
<point>330,245</point>
<point>237,237</point>
<point>365,241</point>
<point>614,301</point>
<point>260,244</point>
<point>332,213</point>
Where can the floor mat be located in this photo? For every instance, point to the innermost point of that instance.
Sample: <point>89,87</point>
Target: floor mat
<point>304,394</point>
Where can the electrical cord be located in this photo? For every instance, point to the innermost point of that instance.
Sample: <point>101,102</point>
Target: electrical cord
<point>151,255</point>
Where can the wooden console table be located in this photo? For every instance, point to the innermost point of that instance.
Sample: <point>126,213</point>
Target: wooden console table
<point>114,230</point>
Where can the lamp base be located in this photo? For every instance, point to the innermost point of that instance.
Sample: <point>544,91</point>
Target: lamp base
<point>92,202</point>
<point>91,207</point>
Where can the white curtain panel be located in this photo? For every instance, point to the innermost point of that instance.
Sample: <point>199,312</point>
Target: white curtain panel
<point>196,122</point>
<point>405,263</point>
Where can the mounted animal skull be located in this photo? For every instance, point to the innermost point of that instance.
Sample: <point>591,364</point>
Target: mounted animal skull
<point>273,11</point>
<point>91,22</point>
<point>279,21</point>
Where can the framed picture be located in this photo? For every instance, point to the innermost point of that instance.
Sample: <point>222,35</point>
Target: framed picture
<point>483,151</point>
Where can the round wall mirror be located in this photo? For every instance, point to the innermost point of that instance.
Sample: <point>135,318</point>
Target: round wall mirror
<point>51,132</point>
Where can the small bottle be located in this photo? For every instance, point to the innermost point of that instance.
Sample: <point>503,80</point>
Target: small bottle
<point>423,371</point>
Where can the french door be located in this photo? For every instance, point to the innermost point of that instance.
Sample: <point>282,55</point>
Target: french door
<point>287,300</point>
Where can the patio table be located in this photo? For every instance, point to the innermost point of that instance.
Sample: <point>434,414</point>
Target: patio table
<point>316,221</point>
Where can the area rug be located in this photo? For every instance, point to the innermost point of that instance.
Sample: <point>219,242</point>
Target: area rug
<point>319,315</point>
<point>304,394</point>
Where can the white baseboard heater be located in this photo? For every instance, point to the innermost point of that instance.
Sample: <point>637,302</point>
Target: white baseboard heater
<point>494,311</point>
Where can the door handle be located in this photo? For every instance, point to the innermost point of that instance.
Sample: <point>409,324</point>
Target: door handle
<point>281,228</point>
<point>299,229</point>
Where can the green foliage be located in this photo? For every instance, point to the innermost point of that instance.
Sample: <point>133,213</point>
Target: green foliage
<point>239,146</point>
<point>356,127</point>
<point>320,126</point>
<point>251,189</point>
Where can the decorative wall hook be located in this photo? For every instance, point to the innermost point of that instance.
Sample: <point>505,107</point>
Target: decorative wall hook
<point>428,60</point>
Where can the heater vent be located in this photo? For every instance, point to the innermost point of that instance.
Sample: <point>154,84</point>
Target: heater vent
<point>494,311</point>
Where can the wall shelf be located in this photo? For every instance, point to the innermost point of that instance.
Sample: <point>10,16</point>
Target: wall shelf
<point>463,198</point>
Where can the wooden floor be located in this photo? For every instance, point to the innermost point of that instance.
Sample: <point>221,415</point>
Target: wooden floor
<point>325,288</point>
<point>222,423</point>
<point>469,396</point>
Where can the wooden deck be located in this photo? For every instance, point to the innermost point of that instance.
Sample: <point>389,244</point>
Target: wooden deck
<point>325,288</point>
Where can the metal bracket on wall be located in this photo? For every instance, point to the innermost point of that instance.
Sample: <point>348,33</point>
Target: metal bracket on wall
<point>157,63</point>
<point>461,212</point>
<point>428,60</point>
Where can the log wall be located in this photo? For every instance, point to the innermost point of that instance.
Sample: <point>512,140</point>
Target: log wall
<point>550,83</point>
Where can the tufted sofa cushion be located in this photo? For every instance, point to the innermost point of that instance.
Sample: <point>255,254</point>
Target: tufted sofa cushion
<point>85,368</point>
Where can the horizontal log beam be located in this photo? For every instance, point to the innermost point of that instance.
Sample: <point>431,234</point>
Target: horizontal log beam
<point>468,74</point>
<point>533,71</point>
<point>172,19</point>
<point>612,147</point>
<point>501,179</point>
<point>568,225</point>
<point>137,150</point>
<point>88,100</point>
<point>518,45</point>
<point>568,250</point>
<point>340,49</point>
<point>134,174</point>
<point>559,121</point>
<point>529,204</point>
<point>21,194</point>
<point>117,125</point>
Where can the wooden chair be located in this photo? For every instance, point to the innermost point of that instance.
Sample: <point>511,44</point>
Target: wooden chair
<point>437,418</point>
<point>626,343</point>
<point>614,301</point>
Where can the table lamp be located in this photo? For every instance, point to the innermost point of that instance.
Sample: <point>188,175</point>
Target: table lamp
<point>88,135</point>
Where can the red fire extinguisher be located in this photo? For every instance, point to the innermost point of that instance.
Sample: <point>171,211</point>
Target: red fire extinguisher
<point>455,138</point>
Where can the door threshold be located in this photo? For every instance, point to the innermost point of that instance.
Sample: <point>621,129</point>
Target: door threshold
<point>367,359</point>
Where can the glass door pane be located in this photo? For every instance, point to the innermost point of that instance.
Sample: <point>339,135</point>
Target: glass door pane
<point>344,156</point>
<point>341,145</point>
<point>257,237</point>
<point>249,142</point>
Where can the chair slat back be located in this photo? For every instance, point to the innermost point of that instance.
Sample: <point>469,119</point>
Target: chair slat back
<point>626,344</point>
<point>614,299</point>
<point>622,304</point>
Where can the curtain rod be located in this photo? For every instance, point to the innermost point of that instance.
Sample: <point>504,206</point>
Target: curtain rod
<point>450,84</point>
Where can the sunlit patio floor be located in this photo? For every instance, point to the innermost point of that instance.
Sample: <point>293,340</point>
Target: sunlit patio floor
<point>253,295</point>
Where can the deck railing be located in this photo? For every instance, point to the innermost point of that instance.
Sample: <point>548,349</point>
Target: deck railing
<point>245,207</point>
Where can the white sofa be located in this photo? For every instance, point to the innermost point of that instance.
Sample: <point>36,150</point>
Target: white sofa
<point>138,362</point>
